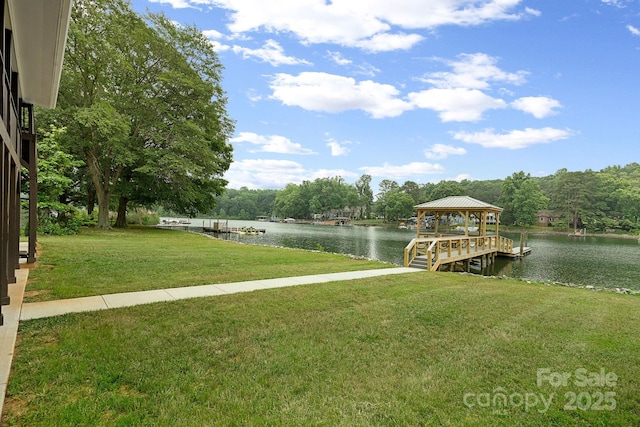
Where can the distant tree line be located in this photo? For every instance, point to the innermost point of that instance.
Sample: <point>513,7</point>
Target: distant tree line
<point>605,200</point>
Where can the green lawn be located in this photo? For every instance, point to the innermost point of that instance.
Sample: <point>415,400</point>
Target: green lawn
<point>137,259</point>
<point>415,349</point>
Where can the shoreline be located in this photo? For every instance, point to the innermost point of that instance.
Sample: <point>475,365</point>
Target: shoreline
<point>568,233</point>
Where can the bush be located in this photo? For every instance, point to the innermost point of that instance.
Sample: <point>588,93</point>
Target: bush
<point>143,217</point>
<point>58,219</point>
<point>87,219</point>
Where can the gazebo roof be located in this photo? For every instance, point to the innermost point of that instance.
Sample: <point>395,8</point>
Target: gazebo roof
<point>457,203</point>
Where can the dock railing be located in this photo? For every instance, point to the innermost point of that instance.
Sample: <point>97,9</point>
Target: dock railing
<point>450,248</point>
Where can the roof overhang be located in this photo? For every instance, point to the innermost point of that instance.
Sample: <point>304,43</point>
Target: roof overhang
<point>39,30</point>
<point>457,204</point>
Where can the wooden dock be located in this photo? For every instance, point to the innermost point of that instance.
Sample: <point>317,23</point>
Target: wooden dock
<point>234,230</point>
<point>444,252</point>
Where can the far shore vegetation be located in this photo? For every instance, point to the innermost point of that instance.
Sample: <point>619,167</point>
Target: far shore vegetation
<point>426,348</point>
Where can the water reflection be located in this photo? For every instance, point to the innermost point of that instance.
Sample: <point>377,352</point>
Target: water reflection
<point>596,261</point>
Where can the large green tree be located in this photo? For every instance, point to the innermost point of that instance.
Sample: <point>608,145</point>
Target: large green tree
<point>398,204</point>
<point>365,195</point>
<point>521,199</point>
<point>144,108</point>
<point>446,189</point>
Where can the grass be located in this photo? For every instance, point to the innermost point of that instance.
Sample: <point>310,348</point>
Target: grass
<point>136,259</point>
<point>416,349</point>
<point>403,350</point>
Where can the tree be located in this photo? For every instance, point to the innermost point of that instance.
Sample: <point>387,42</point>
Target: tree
<point>412,189</point>
<point>365,195</point>
<point>387,185</point>
<point>571,195</point>
<point>398,205</point>
<point>55,171</point>
<point>144,108</point>
<point>290,203</point>
<point>521,199</point>
<point>488,191</point>
<point>446,189</point>
<point>55,167</point>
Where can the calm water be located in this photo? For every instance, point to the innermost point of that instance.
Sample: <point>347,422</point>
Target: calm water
<point>596,261</point>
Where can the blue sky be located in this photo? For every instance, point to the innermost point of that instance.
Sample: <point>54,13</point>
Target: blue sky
<point>422,90</point>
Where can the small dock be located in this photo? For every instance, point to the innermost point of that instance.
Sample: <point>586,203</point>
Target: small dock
<point>444,252</point>
<point>234,230</point>
<point>516,254</point>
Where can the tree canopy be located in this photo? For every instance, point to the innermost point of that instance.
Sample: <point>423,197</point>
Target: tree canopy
<point>143,107</point>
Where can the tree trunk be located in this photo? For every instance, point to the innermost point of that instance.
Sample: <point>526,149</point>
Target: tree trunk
<point>104,199</point>
<point>91,199</point>
<point>102,190</point>
<point>121,220</point>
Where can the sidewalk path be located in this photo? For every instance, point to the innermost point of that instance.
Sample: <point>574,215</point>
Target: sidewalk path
<point>36,310</point>
<point>17,311</point>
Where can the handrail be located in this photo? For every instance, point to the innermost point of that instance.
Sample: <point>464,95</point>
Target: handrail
<point>442,247</point>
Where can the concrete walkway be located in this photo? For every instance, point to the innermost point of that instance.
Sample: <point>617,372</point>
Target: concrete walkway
<point>17,311</point>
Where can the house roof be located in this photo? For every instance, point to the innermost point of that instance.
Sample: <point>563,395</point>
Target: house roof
<point>457,203</point>
<point>39,29</point>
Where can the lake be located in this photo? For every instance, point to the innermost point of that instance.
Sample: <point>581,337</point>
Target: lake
<point>595,261</point>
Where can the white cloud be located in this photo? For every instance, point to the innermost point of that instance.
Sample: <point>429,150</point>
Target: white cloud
<point>462,177</point>
<point>259,173</point>
<point>635,31</point>
<point>410,170</point>
<point>360,23</point>
<point>333,94</point>
<point>338,58</point>
<point>386,42</point>
<point>442,151</point>
<point>515,139</point>
<point>329,173</point>
<point>533,12</point>
<point>213,34</point>
<point>275,174</point>
<point>473,71</point>
<point>271,52</point>
<point>539,106</point>
<point>456,105</point>
<point>252,95</point>
<point>616,3</point>
<point>271,144</point>
<point>337,149</point>
<point>176,4</point>
<point>214,37</point>
<point>366,70</point>
<point>362,69</point>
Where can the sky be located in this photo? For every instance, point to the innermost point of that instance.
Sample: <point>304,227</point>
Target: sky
<point>422,90</point>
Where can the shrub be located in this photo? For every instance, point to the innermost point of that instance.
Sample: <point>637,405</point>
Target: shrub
<point>58,219</point>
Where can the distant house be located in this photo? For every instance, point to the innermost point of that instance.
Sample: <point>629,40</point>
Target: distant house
<point>546,218</point>
<point>491,218</point>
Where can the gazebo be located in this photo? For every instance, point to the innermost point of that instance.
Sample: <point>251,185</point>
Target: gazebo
<point>467,207</point>
<point>433,250</point>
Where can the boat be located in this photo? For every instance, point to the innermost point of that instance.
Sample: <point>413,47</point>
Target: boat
<point>343,222</point>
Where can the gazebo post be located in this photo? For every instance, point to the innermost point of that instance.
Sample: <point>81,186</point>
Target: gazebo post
<point>466,223</point>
